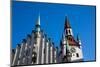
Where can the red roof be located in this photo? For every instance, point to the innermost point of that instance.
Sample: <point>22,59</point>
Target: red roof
<point>72,41</point>
<point>67,25</point>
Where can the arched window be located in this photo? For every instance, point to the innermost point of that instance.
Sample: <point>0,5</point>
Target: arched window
<point>77,55</point>
<point>34,57</point>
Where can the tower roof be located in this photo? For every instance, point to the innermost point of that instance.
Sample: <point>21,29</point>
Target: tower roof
<point>38,21</point>
<point>37,26</point>
<point>67,25</point>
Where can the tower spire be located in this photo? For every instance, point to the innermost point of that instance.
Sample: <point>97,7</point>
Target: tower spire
<point>38,24</point>
<point>67,25</point>
<point>38,21</point>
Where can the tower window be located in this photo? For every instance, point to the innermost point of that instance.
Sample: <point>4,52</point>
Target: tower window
<point>69,31</point>
<point>77,54</point>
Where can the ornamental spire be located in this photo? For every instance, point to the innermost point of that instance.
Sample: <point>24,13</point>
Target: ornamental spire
<point>38,24</point>
<point>79,41</point>
<point>38,21</point>
<point>67,25</point>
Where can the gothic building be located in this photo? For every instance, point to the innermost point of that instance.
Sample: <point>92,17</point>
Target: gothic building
<point>37,48</point>
<point>70,49</point>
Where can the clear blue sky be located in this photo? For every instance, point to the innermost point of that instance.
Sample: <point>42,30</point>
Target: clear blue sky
<point>52,18</point>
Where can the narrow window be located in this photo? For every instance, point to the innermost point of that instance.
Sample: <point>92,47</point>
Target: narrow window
<point>69,31</point>
<point>77,54</point>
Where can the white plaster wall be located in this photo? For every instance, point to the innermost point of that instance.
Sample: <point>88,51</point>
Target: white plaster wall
<point>79,51</point>
<point>38,40</point>
<point>47,47</point>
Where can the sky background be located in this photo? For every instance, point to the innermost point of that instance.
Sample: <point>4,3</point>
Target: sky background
<point>52,18</point>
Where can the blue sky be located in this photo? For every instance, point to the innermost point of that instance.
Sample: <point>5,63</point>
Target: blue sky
<point>52,18</point>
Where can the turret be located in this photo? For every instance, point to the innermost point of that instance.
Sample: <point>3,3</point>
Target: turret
<point>16,56</point>
<point>78,40</point>
<point>67,28</point>
<point>12,55</point>
<point>21,53</point>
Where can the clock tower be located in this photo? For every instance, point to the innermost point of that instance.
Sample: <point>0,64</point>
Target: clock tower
<point>71,49</point>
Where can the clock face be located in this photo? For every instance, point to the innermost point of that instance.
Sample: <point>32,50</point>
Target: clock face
<point>73,50</point>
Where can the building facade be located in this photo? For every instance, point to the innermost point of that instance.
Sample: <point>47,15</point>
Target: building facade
<point>37,48</point>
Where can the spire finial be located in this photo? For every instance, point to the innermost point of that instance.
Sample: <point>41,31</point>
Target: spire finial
<point>38,21</point>
<point>67,25</point>
<point>38,24</point>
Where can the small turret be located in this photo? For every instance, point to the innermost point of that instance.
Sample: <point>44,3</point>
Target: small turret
<point>78,39</point>
<point>67,25</point>
<point>67,28</point>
